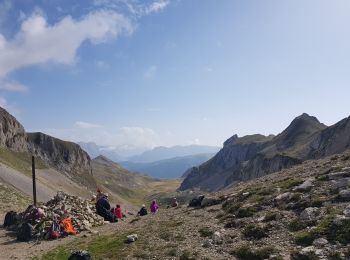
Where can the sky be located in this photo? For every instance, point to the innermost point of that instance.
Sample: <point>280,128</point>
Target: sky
<point>140,74</point>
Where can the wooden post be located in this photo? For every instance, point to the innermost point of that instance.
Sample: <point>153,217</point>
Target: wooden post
<point>34,181</point>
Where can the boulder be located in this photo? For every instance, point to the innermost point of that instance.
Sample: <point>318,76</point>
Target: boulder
<point>211,201</point>
<point>310,214</point>
<point>320,242</point>
<point>131,238</point>
<point>284,196</point>
<point>344,195</point>
<point>305,186</point>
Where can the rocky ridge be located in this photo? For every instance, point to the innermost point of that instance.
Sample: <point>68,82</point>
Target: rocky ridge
<point>12,133</point>
<point>66,157</point>
<point>253,156</point>
<point>298,213</point>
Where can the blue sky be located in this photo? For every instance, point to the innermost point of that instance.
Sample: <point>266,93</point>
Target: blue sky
<point>166,72</point>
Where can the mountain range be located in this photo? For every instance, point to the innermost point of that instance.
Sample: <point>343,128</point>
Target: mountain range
<point>159,162</point>
<point>168,168</point>
<point>252,156</point>
<point>63,165</point>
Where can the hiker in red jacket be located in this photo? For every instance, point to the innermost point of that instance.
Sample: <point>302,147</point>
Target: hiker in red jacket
<point>118,212</point>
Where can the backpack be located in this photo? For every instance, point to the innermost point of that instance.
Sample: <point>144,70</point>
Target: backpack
<point>80,255</point>
<point>10,218</point>
<point>196,202</point>
<point>25,232</point>
<point>55,230</point>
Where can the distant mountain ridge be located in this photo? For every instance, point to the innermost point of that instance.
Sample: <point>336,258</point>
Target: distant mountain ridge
<point>163,153</point>
<point>253,156</point>
<point>168,168</point>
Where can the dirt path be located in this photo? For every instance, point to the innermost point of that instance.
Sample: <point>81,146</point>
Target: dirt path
<point>175,229</point>
<point>10,248</point>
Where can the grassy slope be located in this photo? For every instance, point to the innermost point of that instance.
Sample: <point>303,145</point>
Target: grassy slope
<point>129,186</point>
<point>19,161</point>
<point>181,232</point>
<point>11,199</point>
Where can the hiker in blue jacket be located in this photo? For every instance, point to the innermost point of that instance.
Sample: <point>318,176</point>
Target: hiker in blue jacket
<point>103,208</point>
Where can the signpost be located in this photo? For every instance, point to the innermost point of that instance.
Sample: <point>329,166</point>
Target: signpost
<point>34,181</point>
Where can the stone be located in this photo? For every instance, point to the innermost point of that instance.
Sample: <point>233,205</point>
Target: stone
<point>284,196</point>
<point>345,194</point>
<point>341,183</point>
<point>217,237</point>
<point>207,243</point>
<point>310,214</point>
<point>305,186</point>
<point>338,220</point>
<point>211,201</point>
<point>346,212</point>
<point>338,175</point>
<point>132,238</point>
<point>320,242</point>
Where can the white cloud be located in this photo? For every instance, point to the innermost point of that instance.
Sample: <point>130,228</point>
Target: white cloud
<point>38,42</point>
<point>86,125</point>
<point>102,64</point>
<point>156,6</point>
<point>138,136</point>
<point>135,7</point>
<point>13,86</point>
<point>125,138</point>
<point>150,72</point>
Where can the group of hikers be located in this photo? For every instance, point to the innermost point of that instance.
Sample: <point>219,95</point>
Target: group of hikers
<point>104,209</point>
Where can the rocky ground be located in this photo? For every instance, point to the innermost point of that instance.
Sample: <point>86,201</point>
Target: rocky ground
<point>299,213</point>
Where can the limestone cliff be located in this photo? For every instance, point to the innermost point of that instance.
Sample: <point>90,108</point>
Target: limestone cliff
<point>12,134</point>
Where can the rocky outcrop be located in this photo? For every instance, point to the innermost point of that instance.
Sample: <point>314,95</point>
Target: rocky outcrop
<point>253,156</point>
<point>67,157</point>
<point>12,134</point>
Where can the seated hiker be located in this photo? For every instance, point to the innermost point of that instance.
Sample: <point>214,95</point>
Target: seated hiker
<point>174,203</point>
<point>142,211</point>
<point>154,207</point>
<point>99,195</point>
<point>118,212</point>
<point>103,208</point>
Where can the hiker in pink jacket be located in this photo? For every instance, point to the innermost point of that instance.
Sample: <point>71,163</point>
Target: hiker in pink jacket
<point>154,207</point>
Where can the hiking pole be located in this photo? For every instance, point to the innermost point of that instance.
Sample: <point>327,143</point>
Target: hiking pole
<point>34,181</point>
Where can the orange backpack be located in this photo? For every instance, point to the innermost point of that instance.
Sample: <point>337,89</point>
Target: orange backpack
<point>68,226</point>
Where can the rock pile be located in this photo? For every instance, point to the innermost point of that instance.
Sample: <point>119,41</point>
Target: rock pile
<point>81,211</point>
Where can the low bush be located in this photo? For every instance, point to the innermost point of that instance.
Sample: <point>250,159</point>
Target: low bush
<point>254,231</point>
<point>247,253</point>
<point>246,212</point>
<point>296,225</point>
<point>304,238</point>
<point>205,232</point>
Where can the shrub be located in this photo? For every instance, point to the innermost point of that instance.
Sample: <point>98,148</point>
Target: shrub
<point>296,225</point>
<point>270,216</point>
<point>299,256</point>
<point>335,256</point>
<point>186,255</point>
<point>172,252</point>
<point>290,183</point>
<point>231,206</point>
<point>246,212</point>
<point>304,238</point>
<point>254,231</point>
<point>205,232</point>
<point>323,178</point>
<point>246,253</point>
